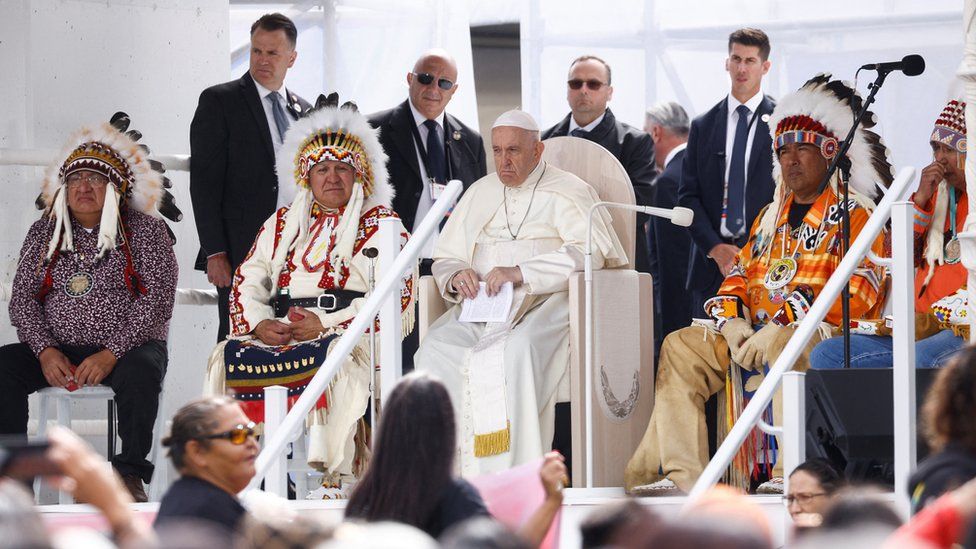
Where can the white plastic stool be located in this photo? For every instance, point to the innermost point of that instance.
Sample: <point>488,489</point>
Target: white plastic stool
<point>63,398</point>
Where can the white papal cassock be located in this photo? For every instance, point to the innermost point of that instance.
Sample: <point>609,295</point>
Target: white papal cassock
<point>505,378</point>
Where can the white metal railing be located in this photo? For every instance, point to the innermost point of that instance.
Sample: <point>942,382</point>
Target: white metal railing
<point>809,325</point>
<point>392,279</point>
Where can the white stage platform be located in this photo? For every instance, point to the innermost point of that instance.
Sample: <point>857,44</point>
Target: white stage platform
<point>578,502</point>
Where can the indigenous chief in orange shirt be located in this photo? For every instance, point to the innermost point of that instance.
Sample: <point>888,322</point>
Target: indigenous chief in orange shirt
<point>792,250</point>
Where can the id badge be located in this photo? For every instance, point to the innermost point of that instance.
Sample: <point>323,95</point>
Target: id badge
<point>436,189</point>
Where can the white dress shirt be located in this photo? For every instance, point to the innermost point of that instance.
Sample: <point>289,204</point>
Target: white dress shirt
<point>589,127</point>
<point>286,193</point>
<point>426,199</point>
<point>674,152</point>
<point>752,104</point>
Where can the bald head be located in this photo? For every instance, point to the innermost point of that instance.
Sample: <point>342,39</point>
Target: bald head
<point>432,82</point>
<point>438,55</point>
<point>517,152</point>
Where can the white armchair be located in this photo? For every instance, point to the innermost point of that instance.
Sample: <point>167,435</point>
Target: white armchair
<point>623,330</point>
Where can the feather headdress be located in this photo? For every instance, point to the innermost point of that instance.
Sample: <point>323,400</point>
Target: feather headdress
<point>821,113</point>
<point>342,134</point>
<point>112,150</point>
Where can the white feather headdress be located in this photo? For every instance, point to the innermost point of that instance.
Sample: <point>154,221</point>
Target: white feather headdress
<point>110,150</point>
<point>821,113</point>
<point>330,133</point>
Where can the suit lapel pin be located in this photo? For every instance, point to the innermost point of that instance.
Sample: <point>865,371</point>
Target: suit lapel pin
<point>456,135</point>
<point>764,118</point>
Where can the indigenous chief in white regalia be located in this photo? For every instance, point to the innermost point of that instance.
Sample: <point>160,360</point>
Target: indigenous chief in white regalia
<point>305,279</point>
<point>525,225</point>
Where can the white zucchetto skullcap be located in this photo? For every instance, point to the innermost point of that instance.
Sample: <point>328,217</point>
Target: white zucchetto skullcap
<point>518,119</point>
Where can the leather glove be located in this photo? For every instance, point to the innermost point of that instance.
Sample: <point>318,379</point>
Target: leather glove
<point>736,331</point>
<point>752,353</point>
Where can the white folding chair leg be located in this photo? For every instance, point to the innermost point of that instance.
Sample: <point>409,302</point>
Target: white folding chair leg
<point>64,420</point>
<point>43,404</point>
<point>161,471</point>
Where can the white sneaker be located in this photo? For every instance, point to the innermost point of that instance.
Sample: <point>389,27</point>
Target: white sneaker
<point>663,487</point>
<point>773,486</point>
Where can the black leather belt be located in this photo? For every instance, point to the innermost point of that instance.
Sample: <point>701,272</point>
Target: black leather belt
<point>328,301</point>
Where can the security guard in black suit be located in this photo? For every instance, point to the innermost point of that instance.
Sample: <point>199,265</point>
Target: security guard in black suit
<point>235,132</point>
<point>427,148</point>
<point>588,91</point>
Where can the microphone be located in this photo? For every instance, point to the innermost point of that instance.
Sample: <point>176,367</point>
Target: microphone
<point>911,65</point>
<point>679,216</point>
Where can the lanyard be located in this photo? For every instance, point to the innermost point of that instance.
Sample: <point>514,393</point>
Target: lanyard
<point>422,148</point>
<point>952,210</point>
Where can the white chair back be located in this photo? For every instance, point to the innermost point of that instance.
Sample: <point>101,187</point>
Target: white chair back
<point>597,166</point>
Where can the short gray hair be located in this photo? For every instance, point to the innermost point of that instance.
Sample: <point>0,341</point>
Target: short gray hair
<point>670,115</point>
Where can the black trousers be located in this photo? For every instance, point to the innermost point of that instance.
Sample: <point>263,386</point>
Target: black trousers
<point>223,312</point>
<point>136,379</point>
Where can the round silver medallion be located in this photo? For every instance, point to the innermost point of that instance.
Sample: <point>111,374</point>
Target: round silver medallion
<point>79,284</point>
<point>952,251</point>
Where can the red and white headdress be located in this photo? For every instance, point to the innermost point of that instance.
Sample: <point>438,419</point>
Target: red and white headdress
<point>950,126</point>
<point>821,113</point>
<point>341,134</point>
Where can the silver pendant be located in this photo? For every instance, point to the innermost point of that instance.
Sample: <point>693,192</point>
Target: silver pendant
<point>952,251</point>
<point>78,284</point>
<point>780,273</point>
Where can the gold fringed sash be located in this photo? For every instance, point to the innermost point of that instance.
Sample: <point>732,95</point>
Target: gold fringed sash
<point>491,444</point>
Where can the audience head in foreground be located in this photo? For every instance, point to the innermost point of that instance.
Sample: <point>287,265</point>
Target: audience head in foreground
<point>410,477</point>
<point>811,489</point>
<point>624,523</point>
<point>213,446</point>
<point>949,424</point>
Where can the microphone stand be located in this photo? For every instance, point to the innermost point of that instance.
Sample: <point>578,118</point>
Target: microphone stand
<point>371,254</point>
<point>845,210</point>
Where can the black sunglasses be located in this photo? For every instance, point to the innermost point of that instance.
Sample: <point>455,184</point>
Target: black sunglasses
<point>426,79</point>
<point>593,85</point>
<point>237,436</point>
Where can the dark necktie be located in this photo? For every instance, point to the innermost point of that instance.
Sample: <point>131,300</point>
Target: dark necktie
<point>579,132</point>
<point>736,208</point>
<point>437,163</point>
<point>280,118</point>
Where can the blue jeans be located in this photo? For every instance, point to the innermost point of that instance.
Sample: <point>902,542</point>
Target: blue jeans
<point>869,351</point>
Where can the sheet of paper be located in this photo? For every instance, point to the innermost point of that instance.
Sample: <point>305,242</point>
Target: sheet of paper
<point>488,309</point>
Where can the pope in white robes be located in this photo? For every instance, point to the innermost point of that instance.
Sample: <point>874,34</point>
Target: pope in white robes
<point>526,225</point>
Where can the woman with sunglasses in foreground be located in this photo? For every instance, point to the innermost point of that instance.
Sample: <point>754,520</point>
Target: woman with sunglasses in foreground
<point>212,445</point>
